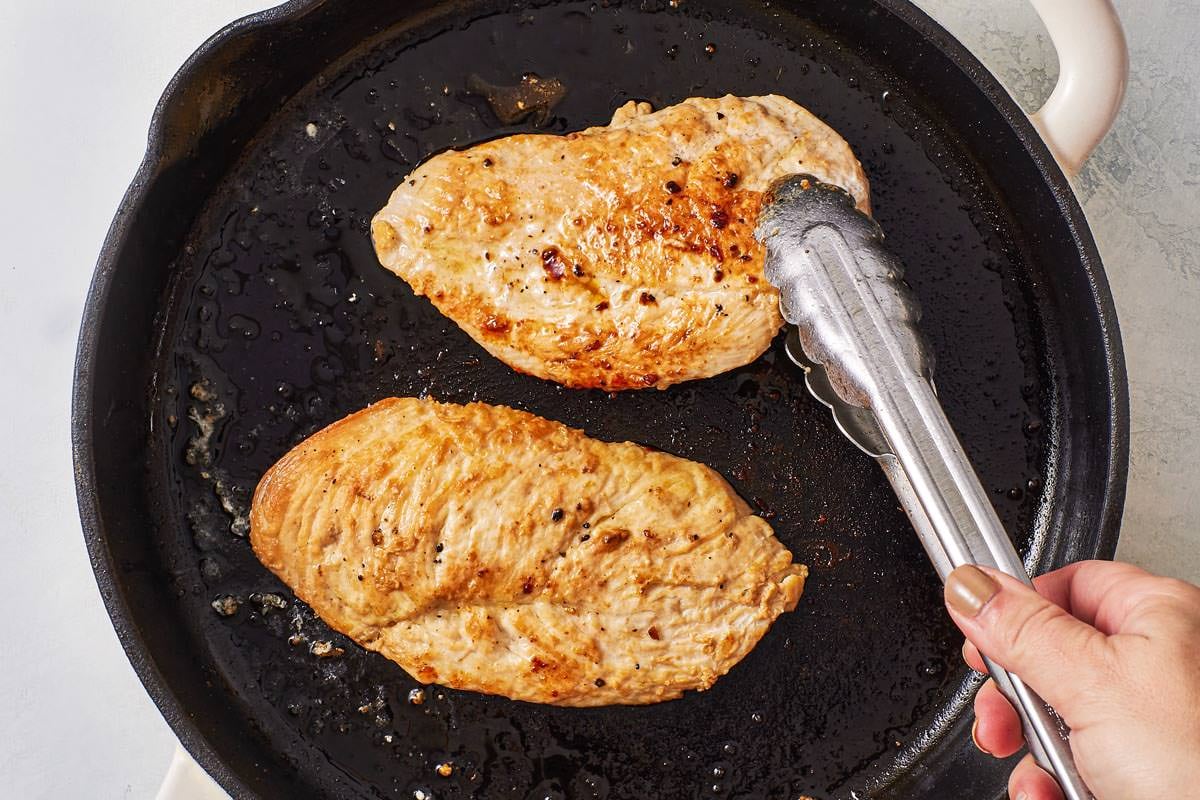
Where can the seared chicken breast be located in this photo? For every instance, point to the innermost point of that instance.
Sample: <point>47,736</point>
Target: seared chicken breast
<point>617,257</point>
<point>489,549</point>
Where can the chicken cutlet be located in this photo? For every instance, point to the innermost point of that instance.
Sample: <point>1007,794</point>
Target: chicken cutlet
<point>618,257</point>
<point>489,549</point>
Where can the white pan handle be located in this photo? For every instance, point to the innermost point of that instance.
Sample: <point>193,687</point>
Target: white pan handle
<point>187,780</point>
<point>1093,66</point>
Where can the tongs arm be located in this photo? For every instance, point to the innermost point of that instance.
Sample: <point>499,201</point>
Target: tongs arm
<point>961,527</point>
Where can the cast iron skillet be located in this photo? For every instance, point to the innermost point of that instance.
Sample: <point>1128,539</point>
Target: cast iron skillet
<point>237,307</point>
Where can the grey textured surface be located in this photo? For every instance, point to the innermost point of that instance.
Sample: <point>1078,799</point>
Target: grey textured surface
<point>78,81</point>
<point>1141,193</point>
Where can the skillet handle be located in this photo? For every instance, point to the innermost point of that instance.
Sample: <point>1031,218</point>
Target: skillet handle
<point>187,780</point>
<point>1093,67</point>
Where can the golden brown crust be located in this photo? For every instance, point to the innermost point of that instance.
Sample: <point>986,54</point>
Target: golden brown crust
<point>617,257</point>
<point>492,550</point>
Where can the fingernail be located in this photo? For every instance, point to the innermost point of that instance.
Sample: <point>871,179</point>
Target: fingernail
<point>1023,796</point>
<point>975,738</point>
<point>968,590</point>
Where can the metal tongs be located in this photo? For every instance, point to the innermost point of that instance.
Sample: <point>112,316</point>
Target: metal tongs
<point>856,338</point>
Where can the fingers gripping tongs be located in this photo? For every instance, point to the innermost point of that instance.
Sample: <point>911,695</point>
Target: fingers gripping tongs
<point>857,340</point>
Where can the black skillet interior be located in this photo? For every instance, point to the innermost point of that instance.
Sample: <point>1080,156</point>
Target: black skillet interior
<point>245,294</point>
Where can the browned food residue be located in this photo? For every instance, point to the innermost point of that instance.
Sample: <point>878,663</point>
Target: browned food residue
<point>533,97</point>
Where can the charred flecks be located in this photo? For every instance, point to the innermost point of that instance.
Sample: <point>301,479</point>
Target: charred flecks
<point>730,181</point>
<point>647,299</point>
<point>719,218</point>
<point>553,263</point>
<point>673,187</point>
<point>602,305</point>
<point>556,515</point>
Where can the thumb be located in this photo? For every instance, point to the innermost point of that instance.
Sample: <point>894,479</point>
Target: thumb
<point>1059,656</point>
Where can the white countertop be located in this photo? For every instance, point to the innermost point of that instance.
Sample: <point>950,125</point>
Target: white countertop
<point>78,81</point>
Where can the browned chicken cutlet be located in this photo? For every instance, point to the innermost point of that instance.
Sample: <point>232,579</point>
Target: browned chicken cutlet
<point>619,257</point>
<point>492,550</point>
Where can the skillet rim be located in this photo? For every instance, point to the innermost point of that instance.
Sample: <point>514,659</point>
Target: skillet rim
<point>83,411</point>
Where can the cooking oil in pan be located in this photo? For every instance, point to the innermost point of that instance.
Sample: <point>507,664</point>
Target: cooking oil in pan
<point>285,322</point>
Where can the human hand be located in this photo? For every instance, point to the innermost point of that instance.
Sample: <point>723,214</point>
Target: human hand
<point>1116,652</point>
